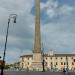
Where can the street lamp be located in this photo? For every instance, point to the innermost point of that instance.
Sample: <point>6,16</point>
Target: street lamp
<point>67,63</point>
<point>43,61</point>
<point>13,16</point>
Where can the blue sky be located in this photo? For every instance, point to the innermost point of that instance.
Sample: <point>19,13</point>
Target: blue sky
<point>57,27</point>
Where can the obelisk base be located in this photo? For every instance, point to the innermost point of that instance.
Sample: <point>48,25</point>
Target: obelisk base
<point>37,66</point>
<point>37,62</point>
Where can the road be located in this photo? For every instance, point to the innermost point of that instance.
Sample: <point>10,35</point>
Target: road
<point>33,73</point>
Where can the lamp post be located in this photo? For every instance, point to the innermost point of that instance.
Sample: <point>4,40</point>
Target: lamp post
<point>67,63</point>
<point>43,63</point>
<point>13,16</point>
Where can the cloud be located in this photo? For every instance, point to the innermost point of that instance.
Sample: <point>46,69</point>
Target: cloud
<point>53,9</point>
<point>58,31</point>
<point>19,6</point>
<point>60,35</point>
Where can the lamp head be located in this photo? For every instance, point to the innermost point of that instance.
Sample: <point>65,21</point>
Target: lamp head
<point>74,60</point>
<point>0,57</point>
<point>15,19</point>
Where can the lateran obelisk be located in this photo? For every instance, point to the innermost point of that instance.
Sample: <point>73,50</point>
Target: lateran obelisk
<point>37,55</point>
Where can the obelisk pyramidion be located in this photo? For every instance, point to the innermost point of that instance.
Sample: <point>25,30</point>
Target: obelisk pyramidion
<point>37,55</point>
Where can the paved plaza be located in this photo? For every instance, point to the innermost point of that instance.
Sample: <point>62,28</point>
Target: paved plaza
<point>34,73</point>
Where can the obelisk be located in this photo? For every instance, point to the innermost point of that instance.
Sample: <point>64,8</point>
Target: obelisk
<point>37,44</point>
<point>37,55</point>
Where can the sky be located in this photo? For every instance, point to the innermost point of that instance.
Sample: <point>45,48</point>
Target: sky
<point>57,27</point>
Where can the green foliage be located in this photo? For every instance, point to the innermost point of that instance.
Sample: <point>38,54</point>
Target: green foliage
<point>7,66</point>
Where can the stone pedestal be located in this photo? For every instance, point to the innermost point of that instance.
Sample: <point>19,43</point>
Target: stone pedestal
<point>37,62</point>
<point>37,66</point>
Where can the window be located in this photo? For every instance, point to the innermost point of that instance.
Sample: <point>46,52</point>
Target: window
<point>46,58</point>
<point>67,63</point>
<point>51,58</point>
<point>74,60</point>
<point>28,58</point>
<point>51,63</point>
<point>64,63</point>
<point>72,63</point>
<point>56,63</point>
<point>28,63</point>
<point>61,63</point>
<point>56,57</point>
<point>61,58</point>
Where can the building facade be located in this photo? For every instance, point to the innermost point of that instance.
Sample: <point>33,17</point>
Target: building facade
<point>51,62</point>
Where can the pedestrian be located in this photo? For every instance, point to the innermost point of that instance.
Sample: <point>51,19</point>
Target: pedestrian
<point>64,71</point>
